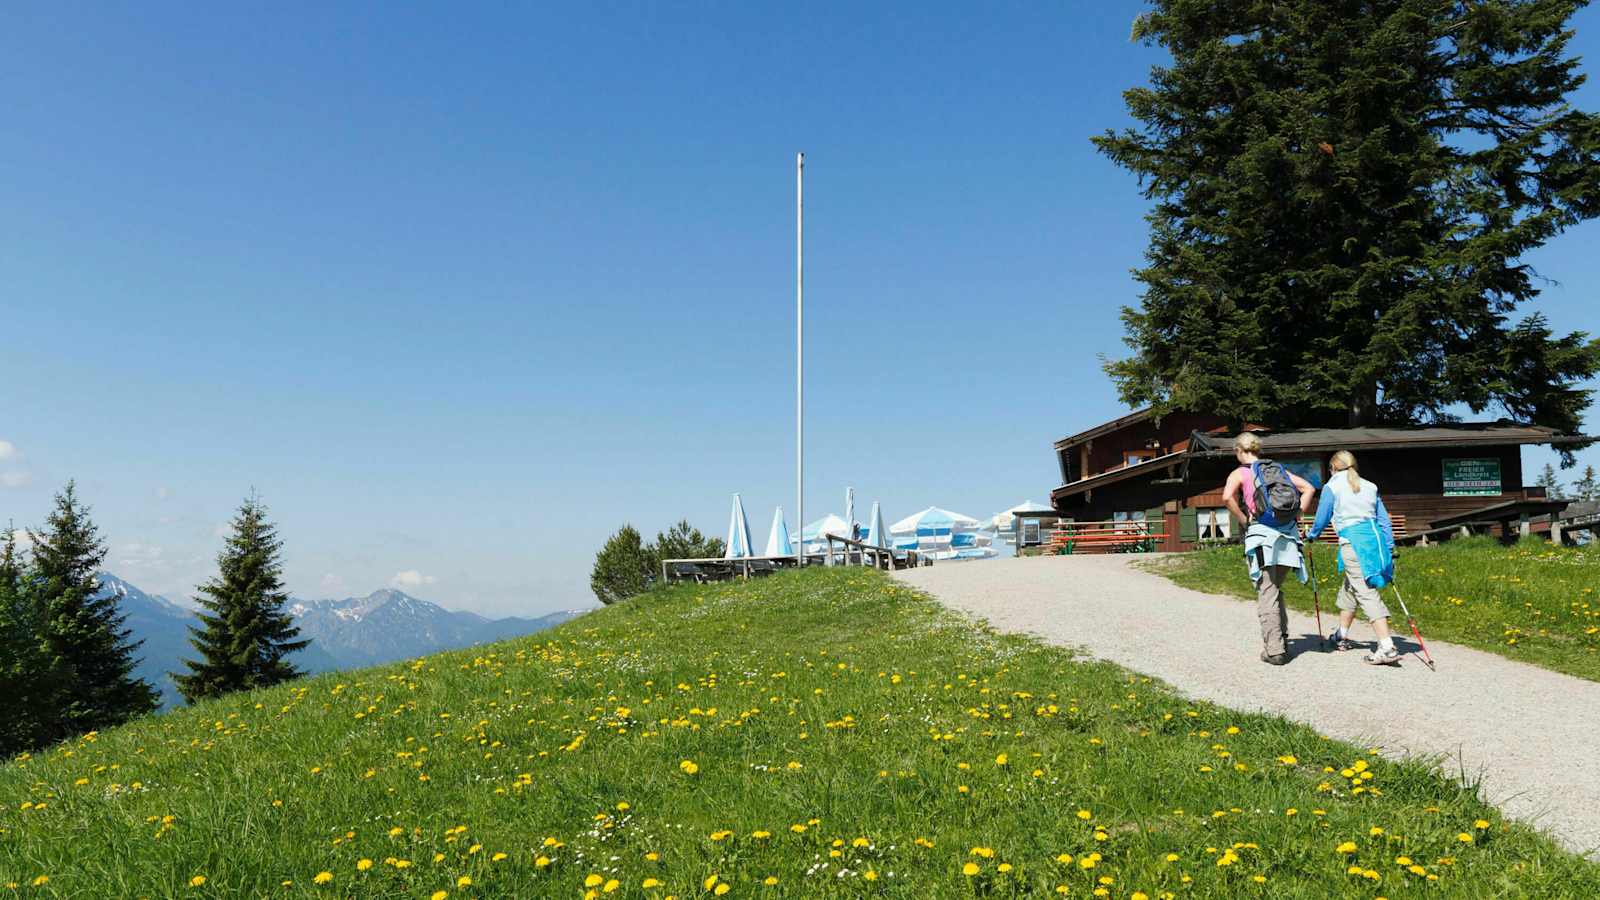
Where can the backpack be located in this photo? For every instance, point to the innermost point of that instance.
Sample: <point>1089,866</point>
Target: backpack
<point>1277,501</point>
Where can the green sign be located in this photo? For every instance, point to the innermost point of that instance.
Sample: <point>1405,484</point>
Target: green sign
<point>1472,478</point>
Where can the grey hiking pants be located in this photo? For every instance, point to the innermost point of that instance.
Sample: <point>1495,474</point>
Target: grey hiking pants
<point>1270,610</point>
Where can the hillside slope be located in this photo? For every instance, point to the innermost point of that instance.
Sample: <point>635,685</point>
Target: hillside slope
<point>825,733</point>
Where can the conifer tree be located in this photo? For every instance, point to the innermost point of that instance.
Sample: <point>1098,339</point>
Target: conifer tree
<point>1345,193</point>
<point>1552,485</point>
<point>623,568</point>
<point>245,636</point>
<point>1586,488</point>
<point>87,650</point>
<point>26,688</point>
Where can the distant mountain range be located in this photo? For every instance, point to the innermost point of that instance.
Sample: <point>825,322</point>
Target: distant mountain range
<point>381,627</point>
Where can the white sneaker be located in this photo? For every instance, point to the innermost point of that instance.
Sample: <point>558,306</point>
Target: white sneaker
<point>1383,656</point>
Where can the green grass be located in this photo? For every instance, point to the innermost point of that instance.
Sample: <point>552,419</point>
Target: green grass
<point>1531,602</point>
<point>848,738</point>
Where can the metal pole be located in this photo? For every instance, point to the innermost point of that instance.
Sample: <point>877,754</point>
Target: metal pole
<point>800,353</point>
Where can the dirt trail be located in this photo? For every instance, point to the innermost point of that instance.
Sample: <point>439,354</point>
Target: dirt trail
<point>1532,734</point>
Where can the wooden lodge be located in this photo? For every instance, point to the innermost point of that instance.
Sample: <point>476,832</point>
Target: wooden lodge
<point>1163,478</point>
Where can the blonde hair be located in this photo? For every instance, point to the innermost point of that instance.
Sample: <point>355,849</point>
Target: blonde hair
<point>1345,461</point>
<point>1248,442</point>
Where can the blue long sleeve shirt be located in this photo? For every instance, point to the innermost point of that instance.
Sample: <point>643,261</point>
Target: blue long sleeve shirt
<point>1342,506</point>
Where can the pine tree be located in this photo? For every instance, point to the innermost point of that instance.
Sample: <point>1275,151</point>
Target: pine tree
<point>1586,488</point>
<point>1552,485</point>
<point>1345,193</point>
<point>26,688</point>
<point>86,647</point>
<point>683,541</point>
<point>623,568</point>
<point>245,636</point>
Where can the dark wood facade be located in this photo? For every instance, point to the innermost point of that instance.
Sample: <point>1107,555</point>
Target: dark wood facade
<point>1170,472</point>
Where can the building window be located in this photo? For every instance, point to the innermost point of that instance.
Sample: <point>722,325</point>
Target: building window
<point>1215,523</point>
<point>1129,521</point>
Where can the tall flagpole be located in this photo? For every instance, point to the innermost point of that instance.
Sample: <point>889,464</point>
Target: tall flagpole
<point>800,353</point>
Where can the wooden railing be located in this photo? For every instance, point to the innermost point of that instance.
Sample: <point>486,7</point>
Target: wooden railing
<point>852,552</point>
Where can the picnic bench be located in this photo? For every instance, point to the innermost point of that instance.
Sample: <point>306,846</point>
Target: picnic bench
<point>1104,537</point>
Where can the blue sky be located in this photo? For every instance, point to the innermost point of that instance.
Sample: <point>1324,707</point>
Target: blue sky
<point>462,290</point>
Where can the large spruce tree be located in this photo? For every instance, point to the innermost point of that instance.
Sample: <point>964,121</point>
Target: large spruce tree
<point>26,687</point>
<point>87,651</point>
<point>245,637</point>
<point>1344,194</point>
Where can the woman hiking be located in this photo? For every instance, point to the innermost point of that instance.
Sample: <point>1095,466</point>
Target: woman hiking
<point>1273,499</point>
<point>1366,552</point>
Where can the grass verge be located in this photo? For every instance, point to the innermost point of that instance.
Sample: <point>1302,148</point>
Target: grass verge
<point>1531,601</point>
<point>826,733</point>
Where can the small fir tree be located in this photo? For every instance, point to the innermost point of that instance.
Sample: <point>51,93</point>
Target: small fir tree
<point>245,637</point>
<point>87,650</point>
<point>1586,488</point>
<point>683,541</point>
<point>1551,484</point>
<point>623,568</point>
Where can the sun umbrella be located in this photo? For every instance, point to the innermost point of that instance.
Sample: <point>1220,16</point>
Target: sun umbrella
<point>877,535</point>
<point>738,532</point>
<point>850,508</point>
<point>778,541</point>
<point>1002,521</point>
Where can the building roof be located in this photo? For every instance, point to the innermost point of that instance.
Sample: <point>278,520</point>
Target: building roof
<point>1132,418</point>
<point>1115,475</point>
<point>1320,440</point>
<point>1311,440</point>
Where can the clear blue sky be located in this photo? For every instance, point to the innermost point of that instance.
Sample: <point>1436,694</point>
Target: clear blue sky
<point>462,290</point>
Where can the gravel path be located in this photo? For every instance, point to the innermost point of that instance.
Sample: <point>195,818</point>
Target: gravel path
<point>1533,735</point>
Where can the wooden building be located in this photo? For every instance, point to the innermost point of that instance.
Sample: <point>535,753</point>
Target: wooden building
<point>1168,473</point>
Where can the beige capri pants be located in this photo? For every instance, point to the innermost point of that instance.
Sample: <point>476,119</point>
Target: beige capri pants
<point>1355,592</point>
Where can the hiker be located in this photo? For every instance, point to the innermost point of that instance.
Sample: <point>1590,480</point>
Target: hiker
<point>1274,497</point>
<point>1366,553</point>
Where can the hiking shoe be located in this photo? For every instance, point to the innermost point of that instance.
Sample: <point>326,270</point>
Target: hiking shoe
<point>1274,659</point>
<point>1341,643</point>
<point>1382,657</point>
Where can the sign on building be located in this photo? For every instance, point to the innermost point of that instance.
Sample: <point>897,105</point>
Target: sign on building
<point>1472,478</point>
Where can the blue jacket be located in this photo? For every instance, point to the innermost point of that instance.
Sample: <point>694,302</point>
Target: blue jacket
<point>1372,539</point>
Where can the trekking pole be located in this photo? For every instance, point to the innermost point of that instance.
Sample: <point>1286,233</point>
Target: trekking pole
<point>1427,658</point>
<point>1316,594</point>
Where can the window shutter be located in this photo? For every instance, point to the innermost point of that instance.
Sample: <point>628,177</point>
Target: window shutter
<point>1189,525</point>
<point>1156,519</point>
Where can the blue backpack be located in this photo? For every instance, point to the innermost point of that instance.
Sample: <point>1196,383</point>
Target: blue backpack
<point>1277,501</point>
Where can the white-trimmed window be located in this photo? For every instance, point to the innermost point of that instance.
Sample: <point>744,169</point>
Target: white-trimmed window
<point>1215,524</point>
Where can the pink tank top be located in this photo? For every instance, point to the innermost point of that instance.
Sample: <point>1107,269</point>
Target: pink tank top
<point>1248,489</point>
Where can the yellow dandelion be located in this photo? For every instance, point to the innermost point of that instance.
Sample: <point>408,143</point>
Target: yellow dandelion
<point>464,881</point>
<point>722,888</point>
<point>363,864</point>
<point>439,895</point>
<point>595,881</point>
<point>197,881</point>
<point>322,878</point>
<point>1346,847</point>
<point>688,767</point>
<point>770,880</point>
<point>649,883</point>
<point>970,869</point>
<point>1464,838</point>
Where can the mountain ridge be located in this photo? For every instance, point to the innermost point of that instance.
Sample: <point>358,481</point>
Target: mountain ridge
<point>354,632</point>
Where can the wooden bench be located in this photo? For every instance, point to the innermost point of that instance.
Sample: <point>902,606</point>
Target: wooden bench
<point>1329,536</point>
<point>1104,537</point>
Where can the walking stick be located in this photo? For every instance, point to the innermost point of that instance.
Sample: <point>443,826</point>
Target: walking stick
<point>1427,658</point>
<point>1316,593</point>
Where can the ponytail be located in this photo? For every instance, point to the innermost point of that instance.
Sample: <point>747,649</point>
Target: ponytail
<point>1345,461</point>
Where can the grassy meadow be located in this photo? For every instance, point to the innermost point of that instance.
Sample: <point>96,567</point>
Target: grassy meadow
<point>1531,601</point>
<point>825,733</point>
